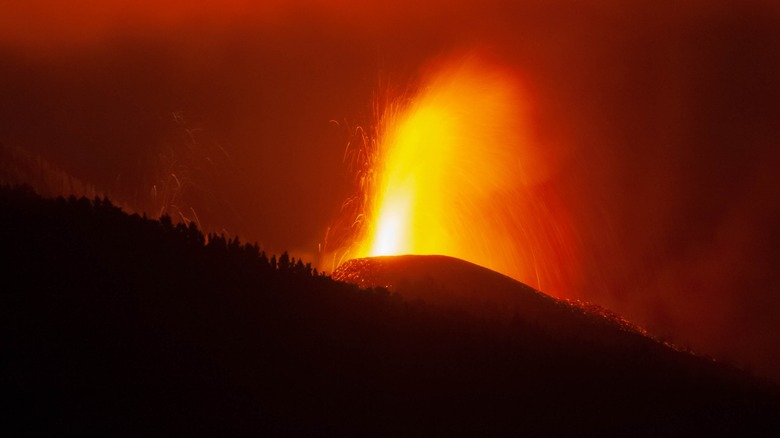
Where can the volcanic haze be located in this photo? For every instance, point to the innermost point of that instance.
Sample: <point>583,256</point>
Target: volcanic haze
<point>654,127</point>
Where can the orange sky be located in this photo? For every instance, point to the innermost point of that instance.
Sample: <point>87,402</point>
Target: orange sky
<point>657,121</point>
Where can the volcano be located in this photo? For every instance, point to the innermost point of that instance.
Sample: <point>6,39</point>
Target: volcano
<point>482,293</point>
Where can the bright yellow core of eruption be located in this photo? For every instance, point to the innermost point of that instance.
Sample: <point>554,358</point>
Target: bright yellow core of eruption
<point>451,160</point>
<point>410,211</point>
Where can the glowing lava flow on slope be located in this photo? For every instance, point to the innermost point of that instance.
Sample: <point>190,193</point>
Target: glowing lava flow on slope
<point>456,175</point>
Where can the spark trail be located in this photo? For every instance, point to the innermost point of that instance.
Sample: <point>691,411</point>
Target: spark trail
<point>456,174</point>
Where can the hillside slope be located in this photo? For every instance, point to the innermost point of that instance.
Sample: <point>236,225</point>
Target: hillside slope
<point>462,286</point>
<point>118,325</point>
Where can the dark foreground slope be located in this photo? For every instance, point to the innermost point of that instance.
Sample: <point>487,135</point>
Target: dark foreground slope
<point>117,325</point>
<point>467,288</point>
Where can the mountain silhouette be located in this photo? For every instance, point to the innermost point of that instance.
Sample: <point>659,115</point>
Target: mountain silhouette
<point>480,292</point>
<point>119,325</point>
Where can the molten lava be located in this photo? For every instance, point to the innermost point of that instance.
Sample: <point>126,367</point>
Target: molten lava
<point>456,174</point>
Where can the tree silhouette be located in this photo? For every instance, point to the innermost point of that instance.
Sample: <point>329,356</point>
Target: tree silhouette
<point>284,262</point>
<point>114,324</point>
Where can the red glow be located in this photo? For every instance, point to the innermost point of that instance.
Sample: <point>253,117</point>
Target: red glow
<point>647,133</point>
<point>457,173</point>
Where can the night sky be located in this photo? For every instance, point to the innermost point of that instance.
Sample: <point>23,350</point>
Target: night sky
<point>656,127</point>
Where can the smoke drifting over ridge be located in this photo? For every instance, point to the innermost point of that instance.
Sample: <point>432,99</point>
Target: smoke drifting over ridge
<point>657,122</point>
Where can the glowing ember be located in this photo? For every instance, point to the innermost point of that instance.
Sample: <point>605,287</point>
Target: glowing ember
<point>453,172</point>
<point>457,177</point>
<point>445,156</point>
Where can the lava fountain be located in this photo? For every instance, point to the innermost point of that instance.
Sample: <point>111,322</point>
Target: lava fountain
<point>455,172</point>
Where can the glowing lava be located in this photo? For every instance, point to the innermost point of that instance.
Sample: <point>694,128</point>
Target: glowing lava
<point>457,175</point>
